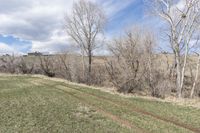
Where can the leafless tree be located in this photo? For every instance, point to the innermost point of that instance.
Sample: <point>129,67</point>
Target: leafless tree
<point>196,77</point>
<point>25,67</point>
<point>9,63</point>
<point>64,60</point>
<point>182,22</point>
<point>194,63</point>
<point>132,56</point>
<point>47,66</point>
<point>84,26</point>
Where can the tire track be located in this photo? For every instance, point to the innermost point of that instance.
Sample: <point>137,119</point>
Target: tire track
<point>141,111</point>
<point>107,114</point>
<point>133,109</point>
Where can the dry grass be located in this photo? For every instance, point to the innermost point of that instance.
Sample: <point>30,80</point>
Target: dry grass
<point>181,101</point>
<point>177,101</point>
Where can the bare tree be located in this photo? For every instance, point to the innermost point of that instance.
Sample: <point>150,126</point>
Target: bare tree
<point>131,58</point>
<point>64,60</point>
<point>196,77</point>
<point>84,26</point>
<point>25,67</point>
<point>47,66</point>
<point>182,19</point>
<point>9,63</point>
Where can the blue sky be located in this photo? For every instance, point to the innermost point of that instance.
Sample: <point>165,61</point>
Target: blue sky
<point>37,25</point>
<point>132,14</point>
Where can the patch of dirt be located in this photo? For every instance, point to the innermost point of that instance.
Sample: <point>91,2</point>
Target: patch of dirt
<point>84,111</point>
<point>35,82</point>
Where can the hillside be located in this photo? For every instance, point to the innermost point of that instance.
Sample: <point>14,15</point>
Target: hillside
<point>34,104</point>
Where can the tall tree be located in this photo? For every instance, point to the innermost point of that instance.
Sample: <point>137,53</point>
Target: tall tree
<point>182,21</point>
<point>84,26</point>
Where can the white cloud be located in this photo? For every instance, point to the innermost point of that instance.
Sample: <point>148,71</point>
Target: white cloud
<point>56,43</point>
<point>41,21</point>
<point>113,7</point>
<point>6,49</point>
<point>35,22</point>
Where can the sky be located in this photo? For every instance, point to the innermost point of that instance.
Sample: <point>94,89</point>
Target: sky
<point>37,25</point>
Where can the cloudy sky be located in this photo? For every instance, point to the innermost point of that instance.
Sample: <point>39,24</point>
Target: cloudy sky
<point>37,25</point>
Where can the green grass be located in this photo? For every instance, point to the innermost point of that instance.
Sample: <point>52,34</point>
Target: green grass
<point>30,104</point>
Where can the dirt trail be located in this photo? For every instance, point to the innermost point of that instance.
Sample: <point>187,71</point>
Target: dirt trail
<point>135,109</point>
<point>107,114</point>
<point>141,111</point>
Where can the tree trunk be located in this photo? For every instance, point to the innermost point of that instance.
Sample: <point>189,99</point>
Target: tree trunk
<point>184,65</point>
<point>83,63</point>
<point>196,78</point>
<point>178,76</point>
<point>90,66</point>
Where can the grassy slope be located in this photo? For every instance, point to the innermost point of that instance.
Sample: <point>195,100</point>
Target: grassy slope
<point>30,104</point>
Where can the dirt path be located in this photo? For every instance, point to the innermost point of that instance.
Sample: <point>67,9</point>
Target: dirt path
<point>143,112</point>
<point>107,114</point>
<point>134,109</point>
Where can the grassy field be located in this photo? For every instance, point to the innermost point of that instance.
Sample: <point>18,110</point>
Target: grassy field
<point>38,105</point>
